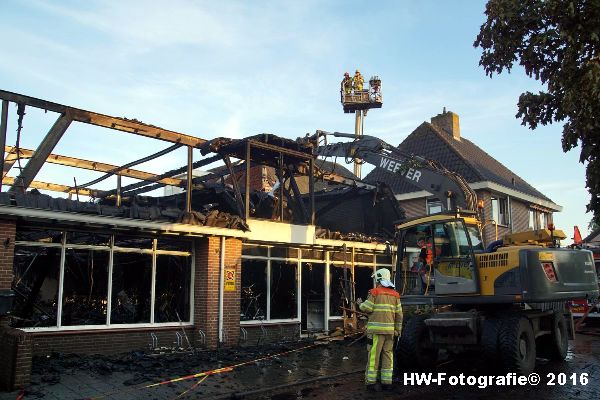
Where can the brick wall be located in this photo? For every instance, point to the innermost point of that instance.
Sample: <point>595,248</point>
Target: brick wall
<point>7,251</point>
<point>15,346</point>
<point>206,288</point>
<point>271,334</point>
<point>231,300</point>
<point>489,230</point>
<point>106,341</point>
<point>520,215</point>
<point>15,359</point>
<point>258,178</point>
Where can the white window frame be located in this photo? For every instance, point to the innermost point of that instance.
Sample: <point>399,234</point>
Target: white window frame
<point>327,260</point>
<point>111,249</point>
<point>508,217</point>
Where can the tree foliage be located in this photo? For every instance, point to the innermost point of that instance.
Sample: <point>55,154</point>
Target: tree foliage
<point>558,43</point>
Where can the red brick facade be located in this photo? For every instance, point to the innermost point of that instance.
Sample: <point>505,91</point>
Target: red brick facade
<point>206,291</point>
<point>7,251</point>
<point>15,359</point>
<point>15,345</point>
<point>111,341</point>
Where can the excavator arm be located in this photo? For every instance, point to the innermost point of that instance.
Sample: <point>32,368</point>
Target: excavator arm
<point>449,187</point>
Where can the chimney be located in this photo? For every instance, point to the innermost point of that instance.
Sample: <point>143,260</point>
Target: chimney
<point>447,121</point>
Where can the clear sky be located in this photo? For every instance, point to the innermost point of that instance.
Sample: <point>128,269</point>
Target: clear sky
<point>238,68</point>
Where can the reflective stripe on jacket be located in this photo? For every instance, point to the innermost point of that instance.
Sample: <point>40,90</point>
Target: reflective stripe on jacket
<point>385,311</point>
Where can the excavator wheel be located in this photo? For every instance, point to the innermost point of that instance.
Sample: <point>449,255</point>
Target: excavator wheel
<point>415,350</point>
<point>516,345</point>
<point>489,339</point>
<point>554,346</point>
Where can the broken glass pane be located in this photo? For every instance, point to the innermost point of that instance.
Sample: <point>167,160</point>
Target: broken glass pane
<point>88,238</point>
<point>311,254</point>
<point>27,234</point>
<point>363,281</point>
<point>36,272</point>
<point>173,244</point>
<point>85,287</point>
<point>131,287</point>
<point>133,242</point>
<point>253,296</point>
<point>366,258</point>
<point>341,256</point>
<point>337,288</point>
<point>284,252</point>
<point>313,296</point>
<point>254,250</point>
<point>172,293</point>
<point>284,290</point>
<point>384,259</point>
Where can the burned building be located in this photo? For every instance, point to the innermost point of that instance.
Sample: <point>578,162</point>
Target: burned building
<point>217,262</point>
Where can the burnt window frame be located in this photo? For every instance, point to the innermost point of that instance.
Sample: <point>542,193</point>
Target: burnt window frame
<point>111,249</point>
<point>268,276</point>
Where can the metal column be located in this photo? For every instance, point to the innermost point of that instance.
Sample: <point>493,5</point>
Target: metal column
<point>118,191</point>
<point>358,124</point>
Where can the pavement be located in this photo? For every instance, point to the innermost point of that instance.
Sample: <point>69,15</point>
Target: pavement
<point>265,373</point>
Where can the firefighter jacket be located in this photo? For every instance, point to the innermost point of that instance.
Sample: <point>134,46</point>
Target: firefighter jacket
<point>385,311</point>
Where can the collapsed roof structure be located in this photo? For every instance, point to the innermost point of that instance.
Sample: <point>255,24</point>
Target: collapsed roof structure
<point>213,199</point>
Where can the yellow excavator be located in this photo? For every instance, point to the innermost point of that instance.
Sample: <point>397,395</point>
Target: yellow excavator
<point>507,299</point>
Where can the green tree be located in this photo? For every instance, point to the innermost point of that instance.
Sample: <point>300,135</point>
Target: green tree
<point>556,42</point>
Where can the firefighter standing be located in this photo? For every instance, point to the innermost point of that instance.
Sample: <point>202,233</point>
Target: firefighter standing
<point>385,322</point>
<point>358,81</point>
<point>347,84</point>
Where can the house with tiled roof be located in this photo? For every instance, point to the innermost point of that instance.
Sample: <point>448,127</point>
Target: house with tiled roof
<point>510,203</point>
<point>593,239</point>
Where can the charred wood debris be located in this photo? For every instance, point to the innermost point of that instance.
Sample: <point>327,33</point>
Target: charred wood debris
<point>341,212</point>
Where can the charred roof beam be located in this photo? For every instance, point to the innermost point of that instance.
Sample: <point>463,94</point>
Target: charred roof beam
<point>120,124</point>
<point>43,151</point>
<point>12,156</point>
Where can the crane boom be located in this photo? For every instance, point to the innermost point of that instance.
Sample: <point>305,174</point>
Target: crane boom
<point>425,174</point>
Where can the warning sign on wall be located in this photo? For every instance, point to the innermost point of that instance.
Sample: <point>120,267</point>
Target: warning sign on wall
<point>230,280</point>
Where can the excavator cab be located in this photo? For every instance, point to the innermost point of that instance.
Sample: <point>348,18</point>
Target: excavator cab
<point>440,250</point>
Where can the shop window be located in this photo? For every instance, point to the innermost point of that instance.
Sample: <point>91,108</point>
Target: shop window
<point>36,274</point>
<point>85,287</point>
<point>131,288</point>
<point>363,281</point>
<point>284,290</point>
<point>253,301</point>
<point>172,291</point>
<point>337,283</point>
<point>500,210</point>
